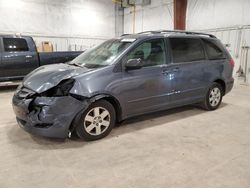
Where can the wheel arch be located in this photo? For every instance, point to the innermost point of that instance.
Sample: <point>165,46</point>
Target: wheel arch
<point>222,83</point>
<point>112,100</point>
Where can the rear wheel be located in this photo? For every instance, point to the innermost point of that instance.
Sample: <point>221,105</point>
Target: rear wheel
<point>213,97</point>
<point>97,121</point>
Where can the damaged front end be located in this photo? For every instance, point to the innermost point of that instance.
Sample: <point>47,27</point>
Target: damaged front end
<point>49,113</point>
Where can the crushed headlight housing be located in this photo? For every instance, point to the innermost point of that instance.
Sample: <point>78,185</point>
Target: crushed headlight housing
<point>62,89</point>
<point>19,88</point>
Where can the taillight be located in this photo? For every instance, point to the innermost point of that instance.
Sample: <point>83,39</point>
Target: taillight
<point>231,62</point>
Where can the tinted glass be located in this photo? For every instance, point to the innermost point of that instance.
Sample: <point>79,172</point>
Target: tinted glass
<point>15,45</point>
<point>213,51</point>
<point>151,52</point>
<point>186,50</point>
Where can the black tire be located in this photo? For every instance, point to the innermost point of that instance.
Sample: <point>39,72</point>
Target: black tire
<point>81,129</point>
<point>206,104</point>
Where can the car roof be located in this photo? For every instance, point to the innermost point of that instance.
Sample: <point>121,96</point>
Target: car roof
<point>167,33</point>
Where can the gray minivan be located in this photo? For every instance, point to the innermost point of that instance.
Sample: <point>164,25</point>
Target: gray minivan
<point>124,77</point>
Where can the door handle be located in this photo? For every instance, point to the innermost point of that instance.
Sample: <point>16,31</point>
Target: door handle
<point>165,72</point>
<point>28,56</point>
<point>177,69</point>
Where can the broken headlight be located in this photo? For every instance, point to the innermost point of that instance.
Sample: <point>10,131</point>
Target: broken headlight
<point>62,89</point>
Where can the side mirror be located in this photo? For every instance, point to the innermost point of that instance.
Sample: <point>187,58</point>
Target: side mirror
<point>133,64</point>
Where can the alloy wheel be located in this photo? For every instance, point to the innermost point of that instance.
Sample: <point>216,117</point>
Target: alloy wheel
<point>214,96</point>
<point>97,121</point>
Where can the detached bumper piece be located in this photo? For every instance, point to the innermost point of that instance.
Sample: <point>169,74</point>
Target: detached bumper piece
<point>47,116</point>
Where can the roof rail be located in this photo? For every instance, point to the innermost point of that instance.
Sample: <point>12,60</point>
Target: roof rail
<point>124,34</point>
<point>178,31</point>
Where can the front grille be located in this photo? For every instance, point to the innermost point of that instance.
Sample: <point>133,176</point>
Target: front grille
<point>43,125</point>
<point>39,125</point>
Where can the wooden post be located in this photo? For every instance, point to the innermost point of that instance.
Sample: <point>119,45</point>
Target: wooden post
<point>180,7</point>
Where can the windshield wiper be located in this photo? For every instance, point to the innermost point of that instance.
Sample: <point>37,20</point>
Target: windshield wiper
<point>76,64</point>
<point>92,66</point>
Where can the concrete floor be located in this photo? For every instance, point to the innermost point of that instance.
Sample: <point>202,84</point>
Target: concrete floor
<point>184,147</point>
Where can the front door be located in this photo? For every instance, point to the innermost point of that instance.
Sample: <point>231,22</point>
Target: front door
<point>146,89</point>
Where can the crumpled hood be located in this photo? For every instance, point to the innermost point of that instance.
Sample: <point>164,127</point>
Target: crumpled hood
<point>48,76</point>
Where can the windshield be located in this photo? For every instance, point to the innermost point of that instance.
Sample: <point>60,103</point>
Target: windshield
<point>102,55</point>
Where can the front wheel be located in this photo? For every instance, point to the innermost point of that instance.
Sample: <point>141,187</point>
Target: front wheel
<point>213,97</point>
<point>97,121</point>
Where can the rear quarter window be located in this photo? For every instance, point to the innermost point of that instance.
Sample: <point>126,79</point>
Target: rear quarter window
<point>15,45</point>
<point>213,50</point>
<point>186,50</point>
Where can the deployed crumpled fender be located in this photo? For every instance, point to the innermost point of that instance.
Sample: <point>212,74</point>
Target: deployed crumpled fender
<point>57,113</point>
<point>60,114</point>
<point>54,116</point>
<point>56,109</point>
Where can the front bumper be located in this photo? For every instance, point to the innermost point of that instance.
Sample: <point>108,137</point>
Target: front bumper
<point>47,116</point>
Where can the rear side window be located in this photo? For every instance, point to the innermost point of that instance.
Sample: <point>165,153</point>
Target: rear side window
<point>15,45</point>
<point>213,51</point>
<point>186,50</point>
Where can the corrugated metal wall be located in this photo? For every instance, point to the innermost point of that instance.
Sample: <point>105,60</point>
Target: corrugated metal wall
<point>228,20</point>
<point>237,41</point>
